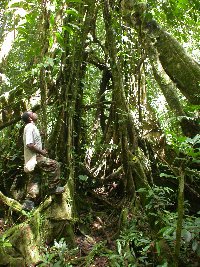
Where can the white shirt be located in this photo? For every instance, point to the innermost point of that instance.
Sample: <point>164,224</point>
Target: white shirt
<point>31,136</point>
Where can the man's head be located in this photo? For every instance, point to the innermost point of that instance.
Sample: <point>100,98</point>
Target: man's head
<point>29,116</point>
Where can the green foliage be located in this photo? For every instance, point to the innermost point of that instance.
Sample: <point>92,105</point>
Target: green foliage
<point>11,161</point>
<point>4,243</point>
<point>189,235</point>
<point>96,250</point>
<point>176,11</point>
<point>83,178</point>
<point>158,199</point>
<point>133,245</point>
<point>188,146</point>
<point>139,245</point>
<point>181,18</point>
<point>58,255</point>
<point>188,153</point>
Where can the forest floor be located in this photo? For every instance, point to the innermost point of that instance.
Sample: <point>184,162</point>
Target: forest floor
<point>97,230</point>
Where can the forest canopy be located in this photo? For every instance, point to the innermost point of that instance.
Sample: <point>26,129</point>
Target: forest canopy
<point>116,86</point>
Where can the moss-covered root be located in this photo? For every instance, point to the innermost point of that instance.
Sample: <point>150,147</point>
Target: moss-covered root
<point>13,204</point>
<point>53,219</point>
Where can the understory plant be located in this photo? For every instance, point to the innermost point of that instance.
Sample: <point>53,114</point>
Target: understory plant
<point>57,255</point>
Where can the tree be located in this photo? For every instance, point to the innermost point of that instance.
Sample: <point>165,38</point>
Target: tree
<point>95,66</point>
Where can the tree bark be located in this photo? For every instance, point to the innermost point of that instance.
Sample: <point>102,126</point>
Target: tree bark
<point>179,66</point>
<point>190,127</point>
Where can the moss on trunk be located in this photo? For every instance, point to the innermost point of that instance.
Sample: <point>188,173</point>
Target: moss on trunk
<point>180,67</point>
<point>53,219</point>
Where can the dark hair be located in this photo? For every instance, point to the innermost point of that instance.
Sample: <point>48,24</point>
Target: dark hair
<point>25,117</point>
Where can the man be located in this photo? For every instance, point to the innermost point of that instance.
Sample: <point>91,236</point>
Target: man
<point>34,157</point>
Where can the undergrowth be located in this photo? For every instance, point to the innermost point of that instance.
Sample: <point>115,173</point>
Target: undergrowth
<point>137,244</point>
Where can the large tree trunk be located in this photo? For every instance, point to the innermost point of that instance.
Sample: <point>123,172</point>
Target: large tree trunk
<point>189,126</point>
<point>180,67</point>
<point>135,176</point>
<point>167,87</point>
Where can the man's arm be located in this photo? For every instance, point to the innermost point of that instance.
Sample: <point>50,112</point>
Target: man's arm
<point>34,148</point>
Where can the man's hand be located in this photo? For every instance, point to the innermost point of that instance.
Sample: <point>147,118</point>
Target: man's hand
<point>35,149</point>
<point>44,152</point>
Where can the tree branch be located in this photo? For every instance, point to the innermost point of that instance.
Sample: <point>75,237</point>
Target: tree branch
<point>13,204</point>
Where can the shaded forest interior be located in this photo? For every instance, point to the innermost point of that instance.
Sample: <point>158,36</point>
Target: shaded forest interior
<point>116,85</point>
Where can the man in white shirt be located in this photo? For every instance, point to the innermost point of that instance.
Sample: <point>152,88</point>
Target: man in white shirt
<point>34,156</point>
